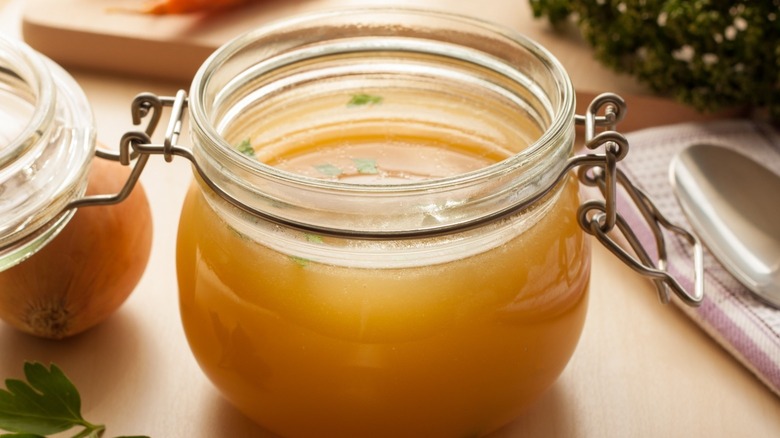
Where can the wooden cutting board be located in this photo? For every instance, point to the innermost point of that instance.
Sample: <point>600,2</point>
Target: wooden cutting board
<point>111,35</point>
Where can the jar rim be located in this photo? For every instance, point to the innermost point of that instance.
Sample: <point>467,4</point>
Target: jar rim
<point>44,165</point>
<point>560,122</point>
<point>523,78</point>
<point>41,85</point>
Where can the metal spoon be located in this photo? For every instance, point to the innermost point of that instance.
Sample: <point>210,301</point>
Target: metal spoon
<point>732,203</point>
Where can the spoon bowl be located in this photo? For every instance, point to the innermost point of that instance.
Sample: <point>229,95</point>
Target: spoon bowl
<point>731,202</point>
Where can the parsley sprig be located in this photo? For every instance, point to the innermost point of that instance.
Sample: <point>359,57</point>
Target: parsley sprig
<point>47,403</point>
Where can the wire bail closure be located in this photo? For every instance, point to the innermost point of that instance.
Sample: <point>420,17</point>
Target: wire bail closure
<point>598,218</point>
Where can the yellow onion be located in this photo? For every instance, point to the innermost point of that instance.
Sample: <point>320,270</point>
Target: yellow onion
<point>88,270</point>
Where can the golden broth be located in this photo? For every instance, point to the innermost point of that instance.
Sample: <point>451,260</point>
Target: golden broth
<point>454,348</point>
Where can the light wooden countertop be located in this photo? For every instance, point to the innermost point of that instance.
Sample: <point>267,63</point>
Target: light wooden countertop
<point>641,369</point>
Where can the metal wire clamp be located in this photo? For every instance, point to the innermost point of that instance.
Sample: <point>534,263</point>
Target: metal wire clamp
<point>599,218</point>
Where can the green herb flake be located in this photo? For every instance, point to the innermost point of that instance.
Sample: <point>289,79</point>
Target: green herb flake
<point>366,165</point>
<point>236,233</point>
<point>300,261</point>
<point>313,238</point>
<point>328,169</point>
<point>245,147</point>
<point>47,403</point>
<point>363,99</point>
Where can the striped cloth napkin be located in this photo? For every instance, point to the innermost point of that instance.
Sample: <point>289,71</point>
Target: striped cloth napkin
<point>747,328</point>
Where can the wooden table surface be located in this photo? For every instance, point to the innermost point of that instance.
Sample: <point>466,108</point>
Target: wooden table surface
<point>641,369</point>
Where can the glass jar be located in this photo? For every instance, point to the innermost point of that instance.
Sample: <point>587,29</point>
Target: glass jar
<point>62,272</point>
<point>377,243</point>
<point>47,140</point>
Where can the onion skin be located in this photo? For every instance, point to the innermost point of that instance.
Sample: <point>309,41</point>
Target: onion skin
<point>88,270</point>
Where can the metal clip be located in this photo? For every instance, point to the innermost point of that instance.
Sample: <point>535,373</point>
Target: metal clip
<point>138,145</point>
<point>600,218</point>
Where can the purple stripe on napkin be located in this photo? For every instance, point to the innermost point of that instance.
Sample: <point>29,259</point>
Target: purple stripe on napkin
<point>744,326</point>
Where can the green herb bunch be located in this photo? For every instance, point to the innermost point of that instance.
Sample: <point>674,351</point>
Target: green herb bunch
<point>711,54</point>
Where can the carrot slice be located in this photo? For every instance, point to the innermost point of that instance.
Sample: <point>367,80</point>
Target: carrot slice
<point>164,7</point>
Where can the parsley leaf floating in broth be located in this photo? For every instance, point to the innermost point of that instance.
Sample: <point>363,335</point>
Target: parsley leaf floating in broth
<point>363,99</point>
<point>366,165</point>
<point>328,169</point>
<point>245,147</point>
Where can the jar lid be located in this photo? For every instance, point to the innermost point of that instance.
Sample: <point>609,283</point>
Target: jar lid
<point>47,140</point>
